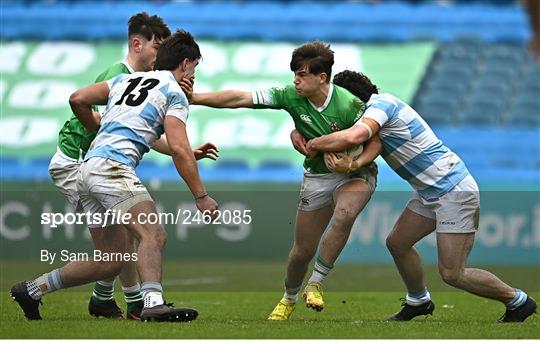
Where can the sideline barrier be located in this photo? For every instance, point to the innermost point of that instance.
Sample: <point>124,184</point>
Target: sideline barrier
<point>509,225</point>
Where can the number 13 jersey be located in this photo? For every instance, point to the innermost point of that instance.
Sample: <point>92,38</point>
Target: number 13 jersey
<point>135,115</point>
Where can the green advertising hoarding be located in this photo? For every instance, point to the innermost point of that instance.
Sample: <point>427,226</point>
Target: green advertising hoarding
<point>257,223</point>
<point>37,79</point>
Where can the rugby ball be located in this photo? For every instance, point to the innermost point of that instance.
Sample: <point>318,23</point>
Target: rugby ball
<point>353,152</point>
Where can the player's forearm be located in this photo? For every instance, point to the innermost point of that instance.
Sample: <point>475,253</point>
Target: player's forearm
<point>162,146</point>
<point>84,113</point>
<point>223,99</point>
<point>186,165</point>
<point>82,100</point>
<point>372,149</point>
<point>340,140</point>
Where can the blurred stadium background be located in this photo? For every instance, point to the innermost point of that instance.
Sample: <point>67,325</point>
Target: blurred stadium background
<point>464,65</point>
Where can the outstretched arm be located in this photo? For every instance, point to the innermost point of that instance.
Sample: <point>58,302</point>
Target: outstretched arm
<point>340,140</point>
<point>81,102</point>
<point>204,151</point>
<point>223,99</point>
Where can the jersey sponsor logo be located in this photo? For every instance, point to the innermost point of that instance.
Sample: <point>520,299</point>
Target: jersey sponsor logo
<point>305,118</point>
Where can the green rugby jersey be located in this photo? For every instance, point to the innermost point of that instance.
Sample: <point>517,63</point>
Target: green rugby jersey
<point>340,111</point>
<point>73,137</point>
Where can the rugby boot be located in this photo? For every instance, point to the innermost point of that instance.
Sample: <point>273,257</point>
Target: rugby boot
<point>282,311</point>
<point>408,312</point>
<point>108,309</point>
<point>134,312</point>
<point>521,313</point>
<point>313,295</point>
<point>29,306</point>
<point>167,313</point>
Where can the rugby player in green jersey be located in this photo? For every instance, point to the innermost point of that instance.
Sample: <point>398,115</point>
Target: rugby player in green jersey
<point>318,108</point>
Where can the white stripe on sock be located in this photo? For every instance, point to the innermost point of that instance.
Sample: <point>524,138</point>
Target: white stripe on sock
<point>418,301</point>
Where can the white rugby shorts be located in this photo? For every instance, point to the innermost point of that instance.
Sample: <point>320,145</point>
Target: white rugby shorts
<point>107,185</point>
<point>64,171</point>
<point>458,211</point>
<point>318,190</point>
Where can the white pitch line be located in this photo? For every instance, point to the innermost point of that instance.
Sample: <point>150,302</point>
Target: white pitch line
<point>195,281</point>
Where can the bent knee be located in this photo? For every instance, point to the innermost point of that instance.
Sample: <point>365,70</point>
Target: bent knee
<point>344,218</point>
<point>161,238</point>
<point>393,245</point>
<point>158,237</point>
<point>451,276</point>
<point>301,253</point>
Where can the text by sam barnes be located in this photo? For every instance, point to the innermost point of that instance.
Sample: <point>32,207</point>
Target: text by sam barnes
<point>96,255</point>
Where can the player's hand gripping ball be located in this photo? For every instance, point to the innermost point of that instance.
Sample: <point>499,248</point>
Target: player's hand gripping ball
<point>343,162</point>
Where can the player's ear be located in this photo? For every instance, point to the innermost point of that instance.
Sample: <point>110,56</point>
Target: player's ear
<point>136,44</point>
<point>184,64</point>
<point>323,77</point>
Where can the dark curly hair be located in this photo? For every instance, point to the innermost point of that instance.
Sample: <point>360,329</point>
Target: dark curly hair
<point>181,45</point>
<point>357,83</point>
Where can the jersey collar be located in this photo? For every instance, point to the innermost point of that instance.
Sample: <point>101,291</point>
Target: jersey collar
<point>326,102</point>
<point>372,98</point>
<point>125,62</point>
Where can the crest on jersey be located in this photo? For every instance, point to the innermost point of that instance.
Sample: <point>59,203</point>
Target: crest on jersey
<point>305,118</point>
<point>334,126</point>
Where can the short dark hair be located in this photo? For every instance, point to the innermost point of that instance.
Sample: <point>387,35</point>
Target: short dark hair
<point>175,49</point>
<point>316,55</point>
<point>357,83</point>
<point>148,26</point>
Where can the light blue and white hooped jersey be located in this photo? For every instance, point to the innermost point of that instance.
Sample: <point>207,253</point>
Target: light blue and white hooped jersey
<point>135,114</point>
<point>412,150</point>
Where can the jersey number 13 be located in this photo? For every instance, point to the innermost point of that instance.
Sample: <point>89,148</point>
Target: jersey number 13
<point>134,98</point>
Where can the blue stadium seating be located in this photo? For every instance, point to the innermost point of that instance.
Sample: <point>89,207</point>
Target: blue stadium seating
<point>327,20</point>
<point>490,95</point>
<point>481,91</point>
<point>496,84</point>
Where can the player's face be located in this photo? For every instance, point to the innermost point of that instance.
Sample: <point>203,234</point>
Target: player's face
<point>306,83</point>
<point>149,49</point>
<point>189,68</point>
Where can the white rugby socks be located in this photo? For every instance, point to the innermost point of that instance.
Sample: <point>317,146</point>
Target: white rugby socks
<point>152,294</point>
<point>44,284</point>
<point>418,298</point>
<point>291,294</point>
<point>320,271</point>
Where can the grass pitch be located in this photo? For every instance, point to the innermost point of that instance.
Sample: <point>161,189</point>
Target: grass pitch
<point>234,299</point>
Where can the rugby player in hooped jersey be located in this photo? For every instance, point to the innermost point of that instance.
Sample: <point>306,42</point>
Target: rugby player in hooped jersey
<point>446,200</point>
<point>140,108</point>
<point>145,34</point>
<point>317,108</point>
